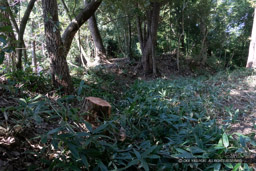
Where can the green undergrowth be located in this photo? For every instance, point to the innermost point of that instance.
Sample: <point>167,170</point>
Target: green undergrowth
<point>155,125</point>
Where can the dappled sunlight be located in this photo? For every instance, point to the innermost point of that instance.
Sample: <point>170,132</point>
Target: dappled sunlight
<point>241,102</point>
<point>234,92</point>
<point>7,141</point>
<point>251,81</point>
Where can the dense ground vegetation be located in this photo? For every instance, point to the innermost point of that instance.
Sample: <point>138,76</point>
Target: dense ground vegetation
<point>154,123</point>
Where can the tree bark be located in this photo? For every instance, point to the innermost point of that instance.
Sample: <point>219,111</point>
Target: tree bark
<point>204,47</point>
<point>34,60</point>
<point>140,34</point>
<point>129,38</point>
<point>21,44</point>
<point>16,28</point>
<point>11,37</point>
<point>251,61</point>
<point>98,43</point>
<point>79,20</point>
<point>55,47</point>
<point>33,46</point>
<point>151,39</point>
<point>78,42</point>
<point>98,109</point>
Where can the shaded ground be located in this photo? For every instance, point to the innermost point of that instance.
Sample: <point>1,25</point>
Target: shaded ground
<point>239,91</point>
<point>17,151</point>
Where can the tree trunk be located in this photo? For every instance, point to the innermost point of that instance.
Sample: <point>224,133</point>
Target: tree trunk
<point>21,45</point>
<point>99,47</point>
<point>34,60</point>
<point>33,46</point>
<point>251,61</point>
<point>16,28</point>
<point>204,47</point>
<point>79,20</point>
<point>129,38</point>
<point>11,37</point>
<point>55,47</point>
<point>140,34</point>
<point>151,39</point>
<point>97,108</point>
<point>78,42</point>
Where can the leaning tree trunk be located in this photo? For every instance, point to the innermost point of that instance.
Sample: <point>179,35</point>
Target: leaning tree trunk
<point>55,47</point>
<point>58,46</point>
<point>251,62</point>
<point>21,45</point>
<point>84,59</point>
<point>98,43</point>
<point>150,41</point>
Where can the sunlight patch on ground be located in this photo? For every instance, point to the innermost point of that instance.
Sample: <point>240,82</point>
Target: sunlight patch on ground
<point>234,92</point>
<point>243,98</point>
<point>251,81</point>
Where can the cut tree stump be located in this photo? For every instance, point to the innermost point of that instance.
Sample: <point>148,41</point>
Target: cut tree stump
<point>97,108</point>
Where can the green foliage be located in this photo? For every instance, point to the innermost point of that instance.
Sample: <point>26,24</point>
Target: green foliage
<point>164,120</point>
<point>4,41</point>
<point>29,81</point>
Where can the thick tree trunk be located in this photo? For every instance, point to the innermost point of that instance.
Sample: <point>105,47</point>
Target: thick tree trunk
<point>98,43</point>
<point>55,47</point>
<point>97,108</point>
<point>21,45</point>
<point>251,61</point>
<point>152,26</point>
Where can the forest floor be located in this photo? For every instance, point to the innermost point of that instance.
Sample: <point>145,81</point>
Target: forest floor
<point>238,89</point>
<point>19,139</point>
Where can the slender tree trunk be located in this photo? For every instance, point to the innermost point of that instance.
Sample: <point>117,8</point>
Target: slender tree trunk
<point>98,43</point>
<point>140,34</point>
<point>11,37</point>
<point>42,44</point>
<point>203,51</point>
<point>129,38</point>
<point>34,60</point>
<point>21,45</point>
<point>33,46</point>
<point>251,61</point>
<point>16,28</point>
<point>178,53</point>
